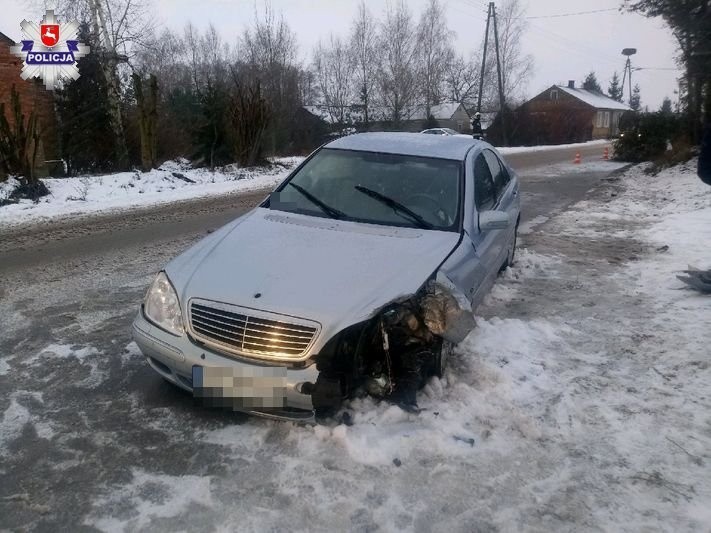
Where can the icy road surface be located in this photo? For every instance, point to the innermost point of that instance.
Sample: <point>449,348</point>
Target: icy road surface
<point>580,403</point>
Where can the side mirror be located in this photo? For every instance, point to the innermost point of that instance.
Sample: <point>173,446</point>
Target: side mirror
<point>490,220</point>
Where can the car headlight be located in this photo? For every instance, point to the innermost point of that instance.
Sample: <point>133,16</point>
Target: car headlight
<point>162,307</point>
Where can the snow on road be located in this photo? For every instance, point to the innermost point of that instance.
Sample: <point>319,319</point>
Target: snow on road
<point>128,190</point>
<point>580,402</point>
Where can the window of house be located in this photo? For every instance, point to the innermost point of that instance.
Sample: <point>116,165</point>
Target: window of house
<point>600,119</point>
<point>607,119</point>
<point>554,94</point>
<point>459,125</point>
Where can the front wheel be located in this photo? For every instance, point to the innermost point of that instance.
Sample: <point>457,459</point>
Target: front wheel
<point>442,358</point>
<point>511,256</point>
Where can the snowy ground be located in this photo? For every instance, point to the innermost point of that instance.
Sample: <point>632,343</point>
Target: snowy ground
<point>127,190</point>
<point>580,403</point>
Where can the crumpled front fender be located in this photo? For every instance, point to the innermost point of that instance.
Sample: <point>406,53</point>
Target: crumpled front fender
<point>446,309</point>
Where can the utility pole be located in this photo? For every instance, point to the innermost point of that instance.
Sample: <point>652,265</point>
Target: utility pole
<point>498,70</point>
<point>483,61</point>
<point>491,14</point>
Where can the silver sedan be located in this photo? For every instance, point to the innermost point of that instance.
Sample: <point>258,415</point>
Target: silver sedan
<point>355,276</point>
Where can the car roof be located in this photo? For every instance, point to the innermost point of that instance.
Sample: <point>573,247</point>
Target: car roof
<point>415,144</point>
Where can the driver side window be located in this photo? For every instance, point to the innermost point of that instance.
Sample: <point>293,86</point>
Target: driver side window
<point>485,194</point>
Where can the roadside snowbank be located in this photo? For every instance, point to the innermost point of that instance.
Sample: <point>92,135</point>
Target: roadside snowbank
<point>128,190</point>
<point>521,149</point>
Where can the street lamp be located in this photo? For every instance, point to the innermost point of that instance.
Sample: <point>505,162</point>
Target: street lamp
<point>628,52</point>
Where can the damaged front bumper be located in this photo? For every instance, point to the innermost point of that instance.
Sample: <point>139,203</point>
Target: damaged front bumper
<point>175,358</point>
<point>390,355</point>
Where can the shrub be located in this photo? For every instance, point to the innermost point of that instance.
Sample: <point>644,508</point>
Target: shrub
<point>644,136</point>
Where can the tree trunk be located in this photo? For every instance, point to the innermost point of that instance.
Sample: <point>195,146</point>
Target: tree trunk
<point>153,120</point>
<point>109,67</point>
<point>147,119</point>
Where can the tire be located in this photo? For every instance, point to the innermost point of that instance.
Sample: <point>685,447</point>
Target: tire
<point>511,257</point>
<point>445,351</point>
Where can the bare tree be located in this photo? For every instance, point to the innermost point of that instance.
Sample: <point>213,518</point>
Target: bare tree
<point>435,53</point>
<point>334,74</point>
<point>397,78</point>
<point>207,57</point>
<point>366,58</point>
<point>268,51</point>
<point>461,79</point>
<point>516,66</point>
<point>269,45</point>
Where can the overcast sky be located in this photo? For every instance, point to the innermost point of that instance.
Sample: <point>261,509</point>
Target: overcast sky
<point>563,47</point>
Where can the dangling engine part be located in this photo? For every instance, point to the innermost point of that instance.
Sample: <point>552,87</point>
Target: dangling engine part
<point>392,355</point>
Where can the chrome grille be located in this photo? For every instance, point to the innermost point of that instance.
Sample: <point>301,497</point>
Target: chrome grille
<point>242,333</point>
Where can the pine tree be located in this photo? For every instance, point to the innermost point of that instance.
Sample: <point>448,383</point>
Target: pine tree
<point>690,23</point>
<point>87,140</point>
<point>635,101</point>
<point>615,90</point>
<point>666,107</point>
<point>591,83</point>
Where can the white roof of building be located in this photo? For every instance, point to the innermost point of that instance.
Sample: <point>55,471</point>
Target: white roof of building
<point>351,114</point>
<point>597,100</point>
<point>355,114</point>
<point>438,111</point>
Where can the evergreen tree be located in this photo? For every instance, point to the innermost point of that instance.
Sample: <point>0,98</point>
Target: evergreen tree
<point>635,101</point>
<point>87,140</point>
<point>591,83</point>
<point>212,140</point>
<point>615,89</point>
<point>666,107</point>
<point>690,23</point>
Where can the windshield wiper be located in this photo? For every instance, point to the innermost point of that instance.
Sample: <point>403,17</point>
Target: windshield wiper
<point>395,205</point>
<point>330,211</point>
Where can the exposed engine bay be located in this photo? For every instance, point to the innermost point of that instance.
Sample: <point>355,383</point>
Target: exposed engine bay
<point>393,354</point>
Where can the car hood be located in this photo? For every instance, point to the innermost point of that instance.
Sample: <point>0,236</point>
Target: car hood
<point>334,272</point>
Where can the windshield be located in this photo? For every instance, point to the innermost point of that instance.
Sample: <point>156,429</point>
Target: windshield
<point>396,190</point>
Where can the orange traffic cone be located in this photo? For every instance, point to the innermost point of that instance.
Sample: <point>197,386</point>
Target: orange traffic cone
<point>606,154</point>
<point>577,158</point>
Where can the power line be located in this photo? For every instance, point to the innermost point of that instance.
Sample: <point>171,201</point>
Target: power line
<point>657,68</point>
<point>570,45</point>
<point>571,14</point>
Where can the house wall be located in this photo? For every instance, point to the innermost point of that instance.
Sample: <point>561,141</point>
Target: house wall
<point>606,123</point>
<point>33,97</point>
<point>460,121</point>
<point>551,119</point>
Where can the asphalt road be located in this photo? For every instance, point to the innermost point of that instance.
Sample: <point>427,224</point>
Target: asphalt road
<point>82,413</point>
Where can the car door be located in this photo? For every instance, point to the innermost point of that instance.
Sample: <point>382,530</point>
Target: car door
<point>506,199</point>
<point>466,266</point>
<point>487,244</point>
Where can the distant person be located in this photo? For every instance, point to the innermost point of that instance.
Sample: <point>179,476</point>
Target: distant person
<point>704,170</point>
<point>477,132</point>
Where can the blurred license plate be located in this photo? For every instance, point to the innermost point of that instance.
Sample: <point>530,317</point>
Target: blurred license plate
<point>253,387</point>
